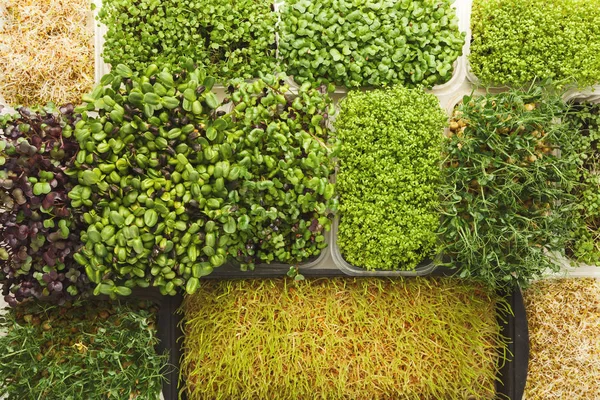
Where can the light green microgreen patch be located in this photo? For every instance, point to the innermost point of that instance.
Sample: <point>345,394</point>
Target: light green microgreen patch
<point>517,41</point>
<point>389,167</point>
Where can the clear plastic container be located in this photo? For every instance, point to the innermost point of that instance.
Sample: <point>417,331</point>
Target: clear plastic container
<point>458,70</point>
<point>101,68</point>
<point>463,11</point>
<point>425,268</point>
<point>570,268</point>
<point>447,102</point>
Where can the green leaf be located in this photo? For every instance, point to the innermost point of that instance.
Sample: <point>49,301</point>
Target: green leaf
<point>192,285</point>
<point>41,188</point>
<point>211,100</point>
<point>211,133</point>
<point>124,71</point>
<point>117,218</point>
<point>89,178</point>
<point>335,54</point>
<point>230,226</point>
<point>220,124</point>
<point>122,290</point>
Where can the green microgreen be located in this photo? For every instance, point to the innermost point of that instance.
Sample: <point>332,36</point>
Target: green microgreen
<point>509,168</point>
<point>170,185</point>
<point>389,167</point>
<point>517,41</point>
<point>153,174</point>
<point>230,38</point>
<point>370,43</point>
<point>281,143</point>
<point>341,339</point>
<point>584,119</point>
<point>88,350</point>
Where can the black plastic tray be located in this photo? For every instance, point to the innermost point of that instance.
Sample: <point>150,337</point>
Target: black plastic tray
<point>512,376</point>
<point>514,373</point>
<point>168,332</point>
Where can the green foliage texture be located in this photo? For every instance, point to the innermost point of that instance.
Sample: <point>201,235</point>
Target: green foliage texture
<point>584,119</point>
<point>507,207</point>
<point>232,38</point>
<point>356,43</point>
<point>90,350</point>
<point>389,168</point>
<point>281,141</point>
<point>171,185</point>
<point>517,41</point>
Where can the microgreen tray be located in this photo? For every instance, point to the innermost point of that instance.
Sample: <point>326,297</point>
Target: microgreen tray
<point>532,32</point>
<point>462,8</point>
<point>167,322</point>
<point>511,378</point>
<point>425,268</point>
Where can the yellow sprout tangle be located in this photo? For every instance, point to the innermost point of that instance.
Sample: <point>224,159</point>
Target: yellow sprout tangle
<point>341,339</point>
<point>46,51</point>
<point>564,338</point>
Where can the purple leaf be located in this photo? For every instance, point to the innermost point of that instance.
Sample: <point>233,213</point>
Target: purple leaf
<point>42,134</point>
<point>49,259</point>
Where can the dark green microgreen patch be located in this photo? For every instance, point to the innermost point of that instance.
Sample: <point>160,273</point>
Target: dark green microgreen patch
<point>370,44</point>
<point>230,38</point>
<point>584,119</point>
<point>509,168</point>
<point>517,41</point>
<point>89,350</point>
<point>155,180</point>
<point>389,167</point>
<point>285,197</point>
<point>171,186</point>
<point>38,233</point>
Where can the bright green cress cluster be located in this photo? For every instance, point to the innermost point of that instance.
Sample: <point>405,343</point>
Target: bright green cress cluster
<point>517,41</point>
<point>389,168</point>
